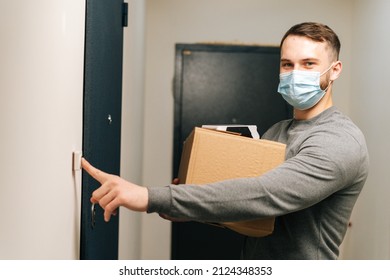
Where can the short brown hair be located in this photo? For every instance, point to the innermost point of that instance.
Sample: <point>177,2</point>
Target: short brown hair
<point>317,32</point>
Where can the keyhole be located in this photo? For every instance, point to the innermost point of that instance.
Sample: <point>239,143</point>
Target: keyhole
<point>93,215</point>
<point>109,118</point>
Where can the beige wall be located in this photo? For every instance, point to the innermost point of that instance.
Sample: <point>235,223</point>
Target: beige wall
<point>41,86</point>
<point>132,124</point>
<point>369,237</point>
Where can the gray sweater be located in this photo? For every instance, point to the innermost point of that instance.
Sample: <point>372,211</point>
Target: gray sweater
<point>311,194</point>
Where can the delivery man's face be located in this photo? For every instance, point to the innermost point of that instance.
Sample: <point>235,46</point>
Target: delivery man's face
<point>301,53</point>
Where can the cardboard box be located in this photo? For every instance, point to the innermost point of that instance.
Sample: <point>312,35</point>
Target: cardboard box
<point>209,156</point>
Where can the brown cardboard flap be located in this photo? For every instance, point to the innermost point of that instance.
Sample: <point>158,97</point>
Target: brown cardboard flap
<point>255,228</point>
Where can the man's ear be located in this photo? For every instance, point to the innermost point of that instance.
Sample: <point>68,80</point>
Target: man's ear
<point>336,70</point>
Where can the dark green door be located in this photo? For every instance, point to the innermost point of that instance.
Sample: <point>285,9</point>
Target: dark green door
<point>101,119</point>
<point>221,84</point>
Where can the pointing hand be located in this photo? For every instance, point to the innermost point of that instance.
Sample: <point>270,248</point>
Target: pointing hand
<point>115,191</point>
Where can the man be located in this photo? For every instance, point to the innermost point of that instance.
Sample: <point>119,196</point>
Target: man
<point>311,194</point>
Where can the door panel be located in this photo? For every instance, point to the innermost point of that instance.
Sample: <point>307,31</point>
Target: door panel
<point>221,84</point>
<point>102,119</point>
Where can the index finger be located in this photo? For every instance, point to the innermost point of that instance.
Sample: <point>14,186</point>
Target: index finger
<point>93,171</point>
<point>176,181</point>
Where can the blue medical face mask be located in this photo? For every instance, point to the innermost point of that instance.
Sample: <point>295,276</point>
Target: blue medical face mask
<point>301,89</point>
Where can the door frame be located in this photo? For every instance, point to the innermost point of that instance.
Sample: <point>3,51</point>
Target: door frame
<point>102,107</point>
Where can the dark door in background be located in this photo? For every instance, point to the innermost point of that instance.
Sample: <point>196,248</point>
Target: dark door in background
<point>221,84</point>
<point>101,119</point>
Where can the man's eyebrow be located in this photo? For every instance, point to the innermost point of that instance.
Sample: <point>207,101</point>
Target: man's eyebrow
<point>310,59</point>
<point>305,59</point>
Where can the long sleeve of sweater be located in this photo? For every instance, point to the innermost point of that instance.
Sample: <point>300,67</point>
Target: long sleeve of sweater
<point>324,155</point>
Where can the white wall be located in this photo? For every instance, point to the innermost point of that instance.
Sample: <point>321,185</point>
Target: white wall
<point>239,21</point>
<point>41,86</point>
<point>132,124</point>
<point>369,237</point>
